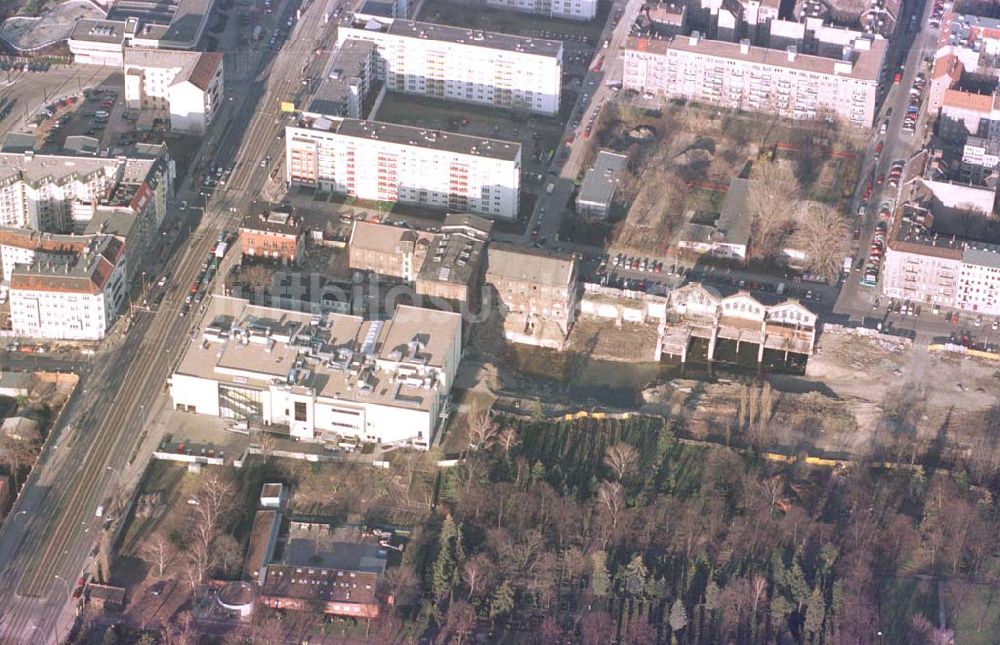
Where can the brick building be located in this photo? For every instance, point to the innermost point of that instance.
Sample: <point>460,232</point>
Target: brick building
<point>273,233</point>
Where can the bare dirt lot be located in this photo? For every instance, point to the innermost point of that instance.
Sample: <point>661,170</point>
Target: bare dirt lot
<point>860,397</point>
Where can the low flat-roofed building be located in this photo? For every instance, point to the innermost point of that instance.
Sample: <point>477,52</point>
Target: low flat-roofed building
<point>323,377</point>
<point>337,567</point>
<point>725,234</point>
<point>387,251</point>
<point>599,185</point>
<point>156,24</point>
<point>273,232</point>
<point>98,42</point>
<point>452,268</point>
<point>263,539</point>
<point>537,292</point>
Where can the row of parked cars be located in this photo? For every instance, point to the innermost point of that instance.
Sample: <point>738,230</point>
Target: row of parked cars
<point>935,18</point>
<point>630,263</point>
<point>877,248</point>
<point>895,172</point>
<point>913,104</point>
<point>9,66</point>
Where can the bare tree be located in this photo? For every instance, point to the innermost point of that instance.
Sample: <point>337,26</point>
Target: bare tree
<point>771,197</point>
<point>611,499</point>
<point>159,551</point>
<point>620,458</point>
<point>507,439</point>
<point>482,431</point>
<point>821,233</point>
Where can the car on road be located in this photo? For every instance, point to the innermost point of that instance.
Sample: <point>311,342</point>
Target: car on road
<point>182,206</point>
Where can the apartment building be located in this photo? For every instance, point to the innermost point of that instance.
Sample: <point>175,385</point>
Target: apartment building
<point>57,193</point>
<point>536,291</point>
<point>965,114</point>
<point>459,64</point>
<point>274,233</point>
<point>980,158</point>
<point>70,296</point>
<point>742,76</point>
<point>324,378</point>
<point>182,88</point>
<point>974,40</point>
<point>26,247</point>
<point>924,266</point>
<point>979,279</point>
<point>395,163</point>
<point>567,9</point>
<point>945,74</point>
<point>347,80</point>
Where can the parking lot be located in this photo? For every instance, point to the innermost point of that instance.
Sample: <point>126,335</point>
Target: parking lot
<point>26,92</point>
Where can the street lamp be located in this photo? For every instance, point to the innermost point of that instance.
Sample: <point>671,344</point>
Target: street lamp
<point>62,580</point>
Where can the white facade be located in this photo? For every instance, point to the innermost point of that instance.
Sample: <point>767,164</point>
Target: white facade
<point>741,76</point>
<point>385,382</point>
<point>390,163</point>
<point>77,301</point>
<point>184,88</point>
<point>42,200</point>
<point>571,9</point>
<point>979,280</point>
<point>925,275</point>
<point>461,64</point>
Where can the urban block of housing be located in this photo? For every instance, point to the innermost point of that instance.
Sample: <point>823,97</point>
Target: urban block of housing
<point>740,55</point>
<point>74,228</point>
<point>939,249</point>
<point>333,148</point>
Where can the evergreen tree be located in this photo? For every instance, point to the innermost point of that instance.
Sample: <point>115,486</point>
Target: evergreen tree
<point>634,578</point>
<point>815,614</point>
<point>678,616</point>
<point>502,601</point>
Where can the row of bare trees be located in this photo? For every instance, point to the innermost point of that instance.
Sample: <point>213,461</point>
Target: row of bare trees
<point>781,216</point>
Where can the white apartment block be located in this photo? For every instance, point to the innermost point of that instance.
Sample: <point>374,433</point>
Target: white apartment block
<point>324,378</point>
<point>52,192</point>
<point>741,76</point>
<point>925,267</point>
<point>183,88</point>
<point>70,296</point>
<point>979,280</point>
<point>394,163</point>
<point>569,9</point>
<point>457,64</point>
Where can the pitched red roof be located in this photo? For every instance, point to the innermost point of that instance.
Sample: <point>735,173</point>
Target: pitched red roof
<point>204,70</point>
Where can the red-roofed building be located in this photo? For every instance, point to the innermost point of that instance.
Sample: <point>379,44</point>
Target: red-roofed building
<point>182,87</point>
<point>74,296</point>
<point>945,75</point>
<point>964,114</point>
